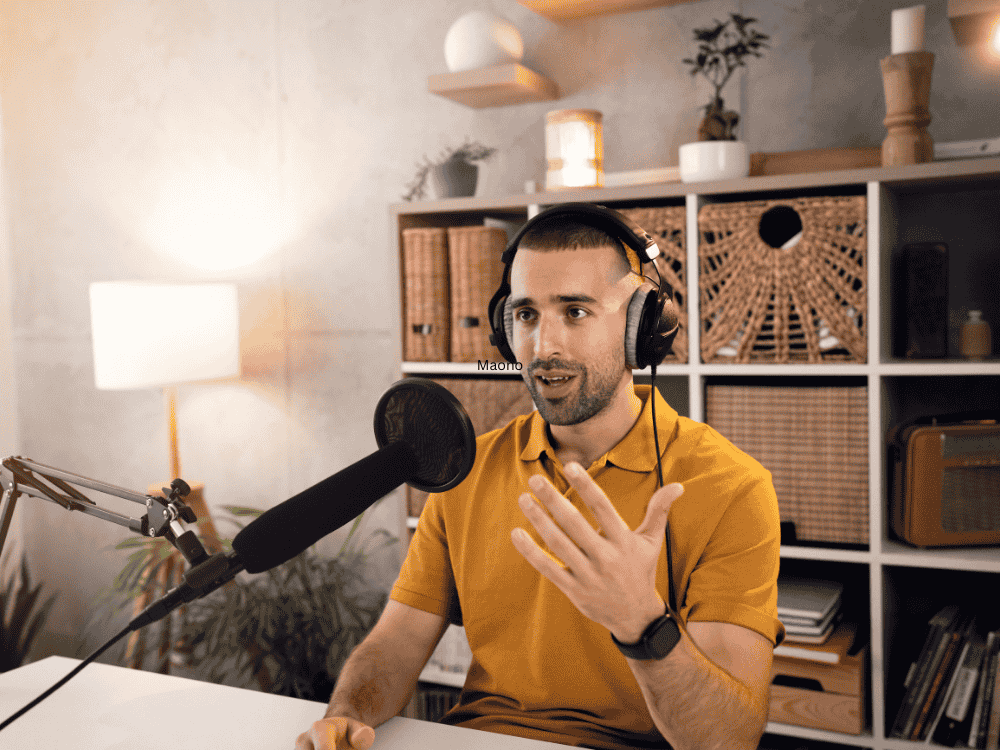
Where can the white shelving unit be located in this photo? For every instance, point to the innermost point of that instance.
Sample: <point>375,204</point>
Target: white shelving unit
<point>894,197</point>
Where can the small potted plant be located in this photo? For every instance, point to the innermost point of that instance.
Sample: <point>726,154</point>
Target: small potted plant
<point>721,50</point>
<point>288,630</point>
<point>453,175</point>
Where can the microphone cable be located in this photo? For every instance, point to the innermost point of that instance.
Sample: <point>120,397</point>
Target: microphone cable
<point>76,670</point>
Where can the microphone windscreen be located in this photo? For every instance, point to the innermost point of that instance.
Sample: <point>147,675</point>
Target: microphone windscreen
<point>285,530</point>
<point>429,419</point>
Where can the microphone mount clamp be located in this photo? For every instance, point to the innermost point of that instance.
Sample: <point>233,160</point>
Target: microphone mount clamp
<point>165,517</point>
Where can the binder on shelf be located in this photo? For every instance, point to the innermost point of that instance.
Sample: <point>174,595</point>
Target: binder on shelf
<point>426,318</point>
<point>993,731</point>
<point>475,272</point>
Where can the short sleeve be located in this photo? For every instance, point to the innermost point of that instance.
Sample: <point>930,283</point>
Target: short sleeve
<point>426,580</point>
<point>736,581</point>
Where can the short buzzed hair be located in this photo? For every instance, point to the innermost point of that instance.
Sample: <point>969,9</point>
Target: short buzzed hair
<point>562,233</point>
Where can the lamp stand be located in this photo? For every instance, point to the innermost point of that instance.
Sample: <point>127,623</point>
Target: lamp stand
<point>907,81</point>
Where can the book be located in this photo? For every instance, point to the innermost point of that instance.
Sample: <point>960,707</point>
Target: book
<point>801,626</point>
<point>957,717</point>
<point>832,651</point>
<point>993,730</point>
<point>942,705</point>
<point>940,671</point>
<point>917,672</point>
<point>984,677</point>
<point>941,676</point>
<point>807,597</point>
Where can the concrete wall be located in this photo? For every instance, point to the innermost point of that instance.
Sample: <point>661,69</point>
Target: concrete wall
<point>261,141</point>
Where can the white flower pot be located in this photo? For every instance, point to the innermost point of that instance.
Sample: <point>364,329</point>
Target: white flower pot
<point>713,160</point>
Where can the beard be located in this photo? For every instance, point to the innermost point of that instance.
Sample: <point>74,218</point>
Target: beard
<point>588,395</point>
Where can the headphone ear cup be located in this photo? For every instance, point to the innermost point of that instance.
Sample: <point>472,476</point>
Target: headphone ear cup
<point>639,308</point>
<point>508,323</point>
<point>503,325</point>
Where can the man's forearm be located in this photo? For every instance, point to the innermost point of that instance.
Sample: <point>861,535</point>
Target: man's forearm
<point>696,704</point>
<point>373,685</point>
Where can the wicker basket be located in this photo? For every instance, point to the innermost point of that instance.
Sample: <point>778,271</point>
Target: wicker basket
<point>426,319</point>
<point>806,303</point>
<point>666,225</point>
<point>814,441</point>
<point>474,261</point>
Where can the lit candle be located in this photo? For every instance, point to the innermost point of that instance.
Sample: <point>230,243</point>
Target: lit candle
<point>908,29</point>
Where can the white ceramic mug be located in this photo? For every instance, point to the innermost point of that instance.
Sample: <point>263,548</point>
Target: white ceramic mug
<point>713,160</point>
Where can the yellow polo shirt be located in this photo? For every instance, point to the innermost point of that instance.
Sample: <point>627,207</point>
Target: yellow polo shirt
<point>540,669</point>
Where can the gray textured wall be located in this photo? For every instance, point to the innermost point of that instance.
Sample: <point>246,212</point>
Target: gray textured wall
<point>142,137</point>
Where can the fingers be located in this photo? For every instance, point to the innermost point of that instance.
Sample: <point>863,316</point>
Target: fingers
<point>336,733</point>
<point>597,501</point>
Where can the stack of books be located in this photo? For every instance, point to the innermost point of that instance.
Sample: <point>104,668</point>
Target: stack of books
<point>950,688</point>
<point>809,608</point>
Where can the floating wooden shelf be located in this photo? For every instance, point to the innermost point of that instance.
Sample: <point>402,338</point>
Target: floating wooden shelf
<point>494,87</point>
<point>567,10</point>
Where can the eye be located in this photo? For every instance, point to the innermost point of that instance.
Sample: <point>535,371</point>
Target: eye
<point>576,312</point>
<point>523,314</point>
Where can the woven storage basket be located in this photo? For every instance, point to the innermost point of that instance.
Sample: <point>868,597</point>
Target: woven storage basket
<point>426,319</point>
<point>814,441</point>
<point>474,261</point>
<point>764,304</point>
<point>666,225</point>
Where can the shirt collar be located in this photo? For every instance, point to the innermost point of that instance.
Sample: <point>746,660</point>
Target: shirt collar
<point>634,452</point>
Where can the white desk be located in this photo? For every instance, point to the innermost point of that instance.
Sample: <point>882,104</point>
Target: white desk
<point>113,708</point>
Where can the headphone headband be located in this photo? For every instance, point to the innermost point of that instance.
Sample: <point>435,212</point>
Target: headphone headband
<point>613,223</point>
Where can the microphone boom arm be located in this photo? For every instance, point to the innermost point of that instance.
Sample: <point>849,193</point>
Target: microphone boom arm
<point>164,517</point>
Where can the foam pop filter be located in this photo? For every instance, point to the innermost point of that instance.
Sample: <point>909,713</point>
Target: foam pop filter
<point>432,422</point>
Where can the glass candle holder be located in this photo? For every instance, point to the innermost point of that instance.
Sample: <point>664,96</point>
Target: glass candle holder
<point>574,149</point>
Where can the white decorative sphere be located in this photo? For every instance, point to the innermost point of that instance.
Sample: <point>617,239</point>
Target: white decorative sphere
<point>479,39</point>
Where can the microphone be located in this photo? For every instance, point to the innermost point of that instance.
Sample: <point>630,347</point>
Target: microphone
<point>425,439</point>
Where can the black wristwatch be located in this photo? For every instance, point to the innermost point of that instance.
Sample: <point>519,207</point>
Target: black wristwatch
<point>656,641</point>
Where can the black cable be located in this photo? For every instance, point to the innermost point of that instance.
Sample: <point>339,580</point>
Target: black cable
<point>67,678</point>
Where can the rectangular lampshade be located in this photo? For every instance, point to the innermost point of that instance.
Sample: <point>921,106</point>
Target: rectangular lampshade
<point>149,334</point>
<point>975,22</point>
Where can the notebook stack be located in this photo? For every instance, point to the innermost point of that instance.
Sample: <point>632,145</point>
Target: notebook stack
<point>818,671</point>
<point>809,608</point>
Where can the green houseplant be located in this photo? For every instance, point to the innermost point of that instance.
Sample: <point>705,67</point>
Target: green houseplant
<point>290,628</point>
<point>720,52</point>
<point>717,154</point>
<point>22,616</point>
<point>454,174</point>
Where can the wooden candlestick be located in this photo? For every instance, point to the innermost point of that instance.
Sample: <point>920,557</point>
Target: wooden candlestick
<point>907,81</point>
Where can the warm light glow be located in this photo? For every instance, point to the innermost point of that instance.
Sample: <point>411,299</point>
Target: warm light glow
<point>148,334</point>
<point>995,39</point>
<point>217,218</point>
<point>574,149</point>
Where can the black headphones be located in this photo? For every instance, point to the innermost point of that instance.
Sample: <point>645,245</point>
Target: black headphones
<point>651,321</point>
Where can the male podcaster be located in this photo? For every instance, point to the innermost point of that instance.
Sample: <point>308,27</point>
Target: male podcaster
<point>552,552</point>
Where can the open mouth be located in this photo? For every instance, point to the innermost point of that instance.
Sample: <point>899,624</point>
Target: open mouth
<point>553,381</point>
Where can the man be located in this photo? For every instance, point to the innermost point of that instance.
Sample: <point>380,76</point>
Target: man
<point>554,545</point>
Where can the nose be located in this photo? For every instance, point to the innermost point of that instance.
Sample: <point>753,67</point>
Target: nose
<point>549,337</point>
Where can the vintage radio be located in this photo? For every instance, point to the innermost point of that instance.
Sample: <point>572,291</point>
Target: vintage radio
<point>946,479</point>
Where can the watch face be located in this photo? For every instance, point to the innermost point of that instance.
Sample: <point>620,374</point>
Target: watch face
<point>663,640</point>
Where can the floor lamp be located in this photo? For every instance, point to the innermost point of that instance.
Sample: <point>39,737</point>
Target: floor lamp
<point>149,335</point>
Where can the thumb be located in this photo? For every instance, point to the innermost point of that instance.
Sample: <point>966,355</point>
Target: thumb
<point>362,737</point>
<point>655,522</point>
